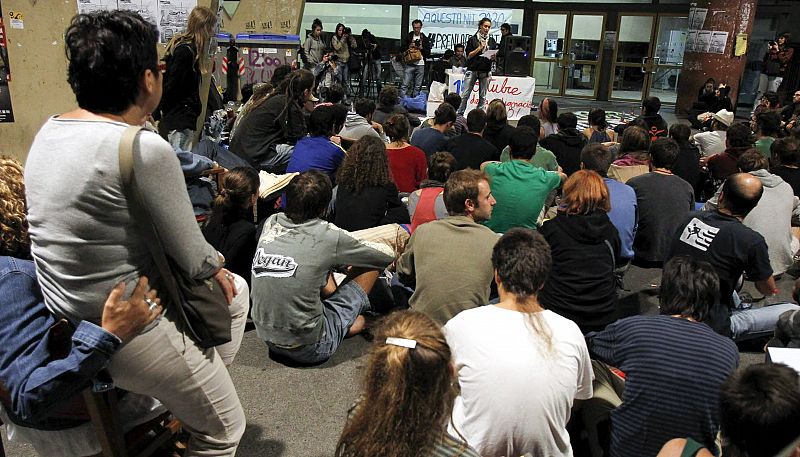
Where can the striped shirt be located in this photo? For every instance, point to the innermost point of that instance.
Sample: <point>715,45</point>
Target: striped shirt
<point>674,369</point>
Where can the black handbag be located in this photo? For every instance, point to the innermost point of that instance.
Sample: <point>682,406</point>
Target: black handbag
<point>201,304</point>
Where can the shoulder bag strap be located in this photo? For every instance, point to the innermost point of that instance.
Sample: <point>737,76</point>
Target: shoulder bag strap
<point>142,218</point>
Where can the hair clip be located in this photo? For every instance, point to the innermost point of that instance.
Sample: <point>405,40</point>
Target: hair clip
<point>403,342</point>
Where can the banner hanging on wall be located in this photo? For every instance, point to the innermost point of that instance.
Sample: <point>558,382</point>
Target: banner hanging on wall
<point>449,26</point>
<point>6,112</point>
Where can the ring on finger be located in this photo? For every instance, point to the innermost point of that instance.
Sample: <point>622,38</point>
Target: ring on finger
<point>229,276</point>
<point>151,302</point>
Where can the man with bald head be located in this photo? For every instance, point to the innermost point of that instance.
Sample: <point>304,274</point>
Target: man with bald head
<point>720,238</point>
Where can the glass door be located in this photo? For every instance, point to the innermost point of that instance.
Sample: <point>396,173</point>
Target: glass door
<point>548,54</point>
<point>568,51</point>
<point>584,53</point>
<point>649,56</point>
<point>668,59</point>
<point>632,59</point>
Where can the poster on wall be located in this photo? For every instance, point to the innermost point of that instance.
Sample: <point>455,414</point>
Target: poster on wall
<point>169,16</point>
<point>449,26</point>
<point>703,42</point>
<point>691,40</point>
<point>6,112</point>
<point>719,41</point>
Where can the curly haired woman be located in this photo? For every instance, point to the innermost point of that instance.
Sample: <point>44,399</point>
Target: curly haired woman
<point>366,196</point>
<point>14,240</point>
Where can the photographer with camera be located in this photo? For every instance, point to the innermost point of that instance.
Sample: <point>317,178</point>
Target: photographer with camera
<point>415,50</point>
<point>342,43</point>
<point>776,61</point>
<point>371,71</point>
<point>478,67</point>
<point>327,73</point>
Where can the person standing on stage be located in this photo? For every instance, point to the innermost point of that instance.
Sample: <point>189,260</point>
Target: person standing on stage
<point>414,69</point>
<point>478,67</point>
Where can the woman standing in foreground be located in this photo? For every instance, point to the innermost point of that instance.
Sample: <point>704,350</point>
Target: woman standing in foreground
<point>85,239</point>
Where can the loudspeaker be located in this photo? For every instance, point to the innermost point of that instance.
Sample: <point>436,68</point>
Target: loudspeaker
<point>517,56</point>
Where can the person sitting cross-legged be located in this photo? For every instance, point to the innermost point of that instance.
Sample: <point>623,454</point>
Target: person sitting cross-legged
<point>624,213</point>
<point>433,139</point>
<point>520,187</point>
<point>663,200</point>
<point>733,249</point>
<point>427,203</point>
<point>298,309</point>
<point>660,355</point>
<point>567,143</point>
<point>444,288</point>
<point>321,149</point>
<point>776,212</point>
<point>542,158</point>
<point>519,365</point>
<point>469,148</point>
<point>585,247</point>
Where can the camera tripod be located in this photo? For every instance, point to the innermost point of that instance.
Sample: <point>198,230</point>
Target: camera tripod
<point>368,75</point>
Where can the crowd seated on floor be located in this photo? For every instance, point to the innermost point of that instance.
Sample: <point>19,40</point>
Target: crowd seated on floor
<point>486,264</point>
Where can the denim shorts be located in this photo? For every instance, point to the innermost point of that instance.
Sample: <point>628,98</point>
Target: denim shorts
<point>339,311</point>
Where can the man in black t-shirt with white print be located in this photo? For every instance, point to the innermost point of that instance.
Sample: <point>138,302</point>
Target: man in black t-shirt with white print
<point>720,238</point>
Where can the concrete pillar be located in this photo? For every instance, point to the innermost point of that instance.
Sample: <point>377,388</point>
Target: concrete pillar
<point>734,17</point>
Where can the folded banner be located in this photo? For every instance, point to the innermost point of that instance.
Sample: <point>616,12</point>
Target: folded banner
<point>447,27</point>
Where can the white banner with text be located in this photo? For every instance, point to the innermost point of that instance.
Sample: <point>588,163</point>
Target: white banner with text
<point>449,26</point>
<point>516,92</point>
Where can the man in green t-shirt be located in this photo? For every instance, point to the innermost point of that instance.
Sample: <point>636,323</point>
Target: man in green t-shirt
<point>768,125</point>
<point>519,186</point>
<point>543,158</point>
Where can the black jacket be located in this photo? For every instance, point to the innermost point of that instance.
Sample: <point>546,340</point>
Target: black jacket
<point>180,102</point>
<point>470,151</point>
<point>657,126</point>
<point>687,166</point>
<point>566,145</point>
<point>425,41</point>
<point>478,63</point>
<point>235,238</point>
<point>369,208</point>
<point>499,134</point>
<point>266,126</point>
<point>581,284</point>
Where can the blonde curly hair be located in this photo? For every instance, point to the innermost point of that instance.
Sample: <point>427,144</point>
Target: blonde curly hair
<point>14,239</point>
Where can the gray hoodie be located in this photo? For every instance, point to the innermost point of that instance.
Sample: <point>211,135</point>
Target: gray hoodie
<point>772,218</point>
<point>357,126</point>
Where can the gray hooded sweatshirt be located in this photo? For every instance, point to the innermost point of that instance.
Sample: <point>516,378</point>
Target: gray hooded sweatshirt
<point>772,218</point>
<point>356,126</point>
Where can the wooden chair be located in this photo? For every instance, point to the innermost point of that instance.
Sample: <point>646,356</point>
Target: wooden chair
<point>141,441</point>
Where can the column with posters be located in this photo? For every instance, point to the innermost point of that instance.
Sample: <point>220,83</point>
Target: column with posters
<point>6,112</point>
<point>449,26</point>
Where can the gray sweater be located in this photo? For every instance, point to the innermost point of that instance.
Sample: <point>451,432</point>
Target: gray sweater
<point>291,264</point>
<point>84,240</point>
<point>773,218</point>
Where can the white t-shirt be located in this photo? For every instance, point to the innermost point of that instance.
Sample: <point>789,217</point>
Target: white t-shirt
<point>515,396</point>
<point>710,143</point>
